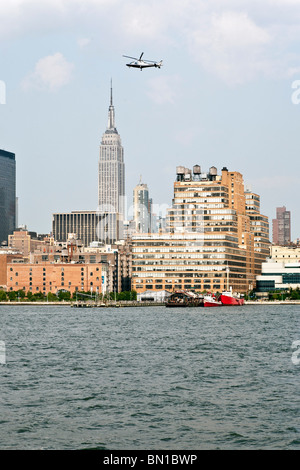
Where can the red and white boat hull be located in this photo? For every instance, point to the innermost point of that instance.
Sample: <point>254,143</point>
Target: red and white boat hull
<point>228,299</point>
<point>211,301</point>
<point>208,303</point>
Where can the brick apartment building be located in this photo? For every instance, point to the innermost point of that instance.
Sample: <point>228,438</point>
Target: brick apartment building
<point>53,277</point>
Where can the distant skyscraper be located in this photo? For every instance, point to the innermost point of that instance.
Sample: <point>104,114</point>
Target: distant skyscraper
<point>282,226</point>
<point>142,208</point>
<point>111,179</point>
<point>7,194</point>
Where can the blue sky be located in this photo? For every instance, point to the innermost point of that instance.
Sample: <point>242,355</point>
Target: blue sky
<point>224,97</point>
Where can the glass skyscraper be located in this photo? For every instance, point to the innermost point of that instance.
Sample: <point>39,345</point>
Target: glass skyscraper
<point>111,180</point>
<point>7,194</point>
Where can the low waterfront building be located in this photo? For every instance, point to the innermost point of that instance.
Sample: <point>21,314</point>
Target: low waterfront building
<point>53,277</point>
<point>278,276</point>
<point>7,255</point>
<point>153,296</point>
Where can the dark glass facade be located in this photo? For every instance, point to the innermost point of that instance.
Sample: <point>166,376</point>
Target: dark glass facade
<point>89,226</point>
<point>7,194</point>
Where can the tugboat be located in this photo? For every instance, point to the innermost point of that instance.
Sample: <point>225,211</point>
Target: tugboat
<point>183,298</point>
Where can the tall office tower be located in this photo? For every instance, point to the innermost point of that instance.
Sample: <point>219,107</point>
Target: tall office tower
<point>111,181</point>
<point>87,226</point>
<point>282,226</point>
<point>7,194</point>
<point>142,208</point>
<point>214,240</point>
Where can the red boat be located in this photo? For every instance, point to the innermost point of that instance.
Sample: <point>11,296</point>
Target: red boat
<point>227,298</point>
<point>211,301</point>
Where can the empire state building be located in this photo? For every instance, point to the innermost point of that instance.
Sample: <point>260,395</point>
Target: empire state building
<point>111,181</point>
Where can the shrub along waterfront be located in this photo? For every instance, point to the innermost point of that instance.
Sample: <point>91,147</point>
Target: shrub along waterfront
<point>63,295</point>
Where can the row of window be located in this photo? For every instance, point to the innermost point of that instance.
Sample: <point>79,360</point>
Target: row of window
<point>160,287</point>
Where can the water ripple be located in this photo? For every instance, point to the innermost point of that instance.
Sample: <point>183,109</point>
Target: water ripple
<point>149,378</point>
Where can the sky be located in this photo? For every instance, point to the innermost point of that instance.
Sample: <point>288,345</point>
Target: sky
<point>228,94</point>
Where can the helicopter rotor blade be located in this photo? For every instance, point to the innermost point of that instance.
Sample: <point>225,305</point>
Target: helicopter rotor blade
<point>129,57</point>
<point>141,56</point>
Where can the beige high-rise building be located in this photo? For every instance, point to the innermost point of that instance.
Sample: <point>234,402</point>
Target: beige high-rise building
<point>216,237</point>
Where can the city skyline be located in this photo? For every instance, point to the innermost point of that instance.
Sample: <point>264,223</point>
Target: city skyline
<point>227,95</point>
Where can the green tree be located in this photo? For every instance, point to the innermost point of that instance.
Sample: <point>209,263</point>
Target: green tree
<point>29,295</point>
<point>64,295</point>
<point>3,295</point>
<point>21,293</point>
<point>37,296</point>
<point>51,297</point>
<point>294,294</point>
<point>12,295</point>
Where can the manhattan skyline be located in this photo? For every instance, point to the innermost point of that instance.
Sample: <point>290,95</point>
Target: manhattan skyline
<point>223,97</point>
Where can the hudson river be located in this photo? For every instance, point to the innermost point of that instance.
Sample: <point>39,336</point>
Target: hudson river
<point>149,378</point>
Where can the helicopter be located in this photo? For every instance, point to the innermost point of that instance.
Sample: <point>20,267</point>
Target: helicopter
<point>141,64</point>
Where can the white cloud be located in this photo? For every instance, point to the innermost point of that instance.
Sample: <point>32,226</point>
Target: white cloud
<point>83,42</point>
<point>231,46</point>
<point>51,73</point>
<point>163,89</point>
<point>235,40</point>
<point>277,181</point>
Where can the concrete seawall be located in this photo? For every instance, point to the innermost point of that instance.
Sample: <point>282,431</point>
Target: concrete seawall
<point>133,303</point>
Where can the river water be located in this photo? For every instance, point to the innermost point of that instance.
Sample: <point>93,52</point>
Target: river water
<point>149,378</point>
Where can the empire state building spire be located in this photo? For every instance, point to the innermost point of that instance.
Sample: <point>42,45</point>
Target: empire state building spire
<point>111,113</point>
